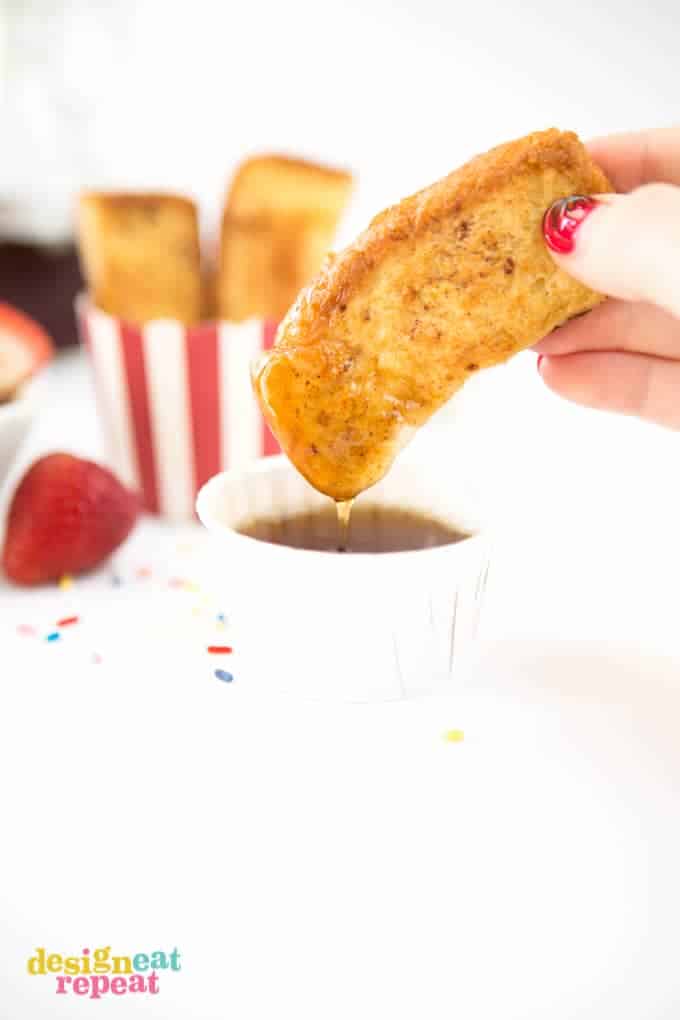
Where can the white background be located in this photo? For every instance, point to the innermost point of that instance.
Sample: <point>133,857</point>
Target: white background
<point>338,860</point>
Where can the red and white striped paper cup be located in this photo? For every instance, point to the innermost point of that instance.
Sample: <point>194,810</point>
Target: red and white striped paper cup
<point>176,401</point>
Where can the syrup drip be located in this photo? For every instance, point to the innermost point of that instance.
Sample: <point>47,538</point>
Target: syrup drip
<point>344,511</point>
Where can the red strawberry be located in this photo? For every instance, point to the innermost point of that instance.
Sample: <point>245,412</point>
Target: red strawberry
<point>67,516</point>
<point>24,347</point>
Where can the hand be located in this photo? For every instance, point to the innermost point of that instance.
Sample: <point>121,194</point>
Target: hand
<point>625,355</point>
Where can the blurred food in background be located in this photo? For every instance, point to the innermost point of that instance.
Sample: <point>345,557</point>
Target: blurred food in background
<point>278,225</point>
<point>24,348</point>
<point>66,517</point>
<point>141,255</point>
<point>141,252</point>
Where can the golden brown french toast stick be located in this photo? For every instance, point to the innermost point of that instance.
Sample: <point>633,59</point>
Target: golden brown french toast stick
<point>278,225</point>
<point>451,280</point>
<point>140,255</point>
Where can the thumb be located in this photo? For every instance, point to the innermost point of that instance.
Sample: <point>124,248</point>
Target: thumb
<point>625,246</point>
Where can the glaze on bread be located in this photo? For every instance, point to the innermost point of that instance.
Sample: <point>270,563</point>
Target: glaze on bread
<point>140,255</point>
<point>278,225</point>
<point>451,280</point>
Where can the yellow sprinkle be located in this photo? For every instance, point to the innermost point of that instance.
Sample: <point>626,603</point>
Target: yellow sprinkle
<point>66,582</point>
<point>454,736</point>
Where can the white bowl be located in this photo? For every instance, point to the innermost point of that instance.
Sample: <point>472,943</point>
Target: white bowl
<point>17,417</point>
<point>354,627</point>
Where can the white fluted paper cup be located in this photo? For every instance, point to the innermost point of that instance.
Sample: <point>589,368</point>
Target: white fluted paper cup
<point>354,627</point>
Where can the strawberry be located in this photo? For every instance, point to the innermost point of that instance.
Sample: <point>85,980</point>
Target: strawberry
<point>24,347</point>
<point>67,515</point>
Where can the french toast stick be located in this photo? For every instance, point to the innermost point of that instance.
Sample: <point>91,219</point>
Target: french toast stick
<point>278,225</point>
<point>452,280</point>
<point>140,255</point>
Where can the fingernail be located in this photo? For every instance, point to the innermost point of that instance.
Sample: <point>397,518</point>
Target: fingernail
<point>563,218</point>
<point>538,362</point>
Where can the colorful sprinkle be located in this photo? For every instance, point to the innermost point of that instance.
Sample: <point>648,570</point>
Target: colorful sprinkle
<point>221,618</point>
<point>219,650</point>
<point>66,582</point>
<point>54,636</point>
<point>181,582</point>
<point>96,658</point>
<point>67,621</point>
<point>454,736</point>
<point>143,572</point>
<point>26,630</point>
<point>222,674</point>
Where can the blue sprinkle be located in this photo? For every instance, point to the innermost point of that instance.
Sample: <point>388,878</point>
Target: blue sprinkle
<point>221,617</point>
<point>54,636</point>
<point>222,674</point>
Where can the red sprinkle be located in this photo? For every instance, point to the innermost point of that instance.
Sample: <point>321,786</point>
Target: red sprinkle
<point>219,650</point>
<point>67,621</point>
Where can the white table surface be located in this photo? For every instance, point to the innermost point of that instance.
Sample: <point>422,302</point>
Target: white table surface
<point>315,860</point>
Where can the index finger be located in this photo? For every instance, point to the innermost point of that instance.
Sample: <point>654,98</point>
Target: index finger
<point>636,158</point>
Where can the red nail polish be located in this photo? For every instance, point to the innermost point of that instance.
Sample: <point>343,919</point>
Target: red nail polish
<point>562,220</point>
